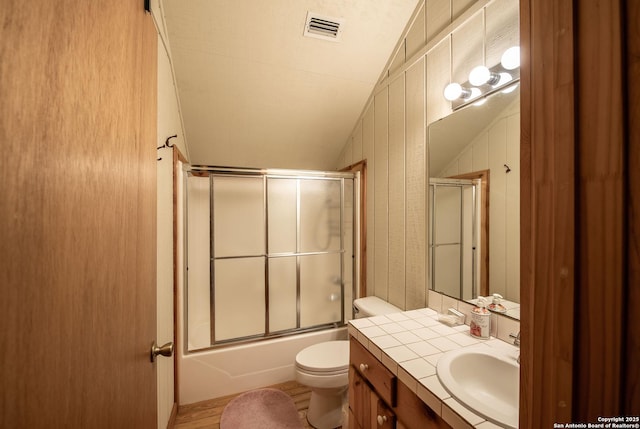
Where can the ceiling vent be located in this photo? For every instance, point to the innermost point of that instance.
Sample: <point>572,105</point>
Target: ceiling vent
<point>323,27</point>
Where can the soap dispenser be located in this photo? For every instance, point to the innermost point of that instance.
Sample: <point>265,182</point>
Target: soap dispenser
<point>480,319</point>
<point>496,305</point>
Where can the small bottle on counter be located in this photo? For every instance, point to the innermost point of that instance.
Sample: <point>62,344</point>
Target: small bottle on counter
<point>480,320</point>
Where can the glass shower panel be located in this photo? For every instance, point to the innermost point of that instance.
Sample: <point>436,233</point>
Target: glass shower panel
<point>320,289</point>
<point>447,273</point>
<point>319,215</point>
<point>198,252</point>
<point>239,298</point>
<point>348,239</point>
<point>238,216</point>
<point>447,214</point>
<point>282,294</point>
<point>282,197</point>
<point>468,242</point>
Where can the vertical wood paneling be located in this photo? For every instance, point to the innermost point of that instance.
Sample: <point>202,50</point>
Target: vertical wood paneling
<point>416,37</point>
<point>357,144</point>
<point>381,203</point>
<point>438,16</point>
<point>502,29</point>
<point>459,6</point>
<point>480,153</point>
<point>416,187</point>
<point>497,203</point>
<point>467,49</point>
<point>632,368</point>
<point>438,75</point>
<point>547,212</point>
<point>397,199</point>
<point>512,215</point>
<point>601,149</point>
<point>369,155</point>
<point>78,126</point>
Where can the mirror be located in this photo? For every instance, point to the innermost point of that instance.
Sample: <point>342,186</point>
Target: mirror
<point>474,201</point>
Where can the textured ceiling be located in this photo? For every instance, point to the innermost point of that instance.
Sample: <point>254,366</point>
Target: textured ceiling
<point>255,92</point>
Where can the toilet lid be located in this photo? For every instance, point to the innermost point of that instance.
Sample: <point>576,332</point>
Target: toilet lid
<point>325,357</point>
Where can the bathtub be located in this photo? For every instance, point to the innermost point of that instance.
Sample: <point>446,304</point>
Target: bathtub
<point>214,373</point>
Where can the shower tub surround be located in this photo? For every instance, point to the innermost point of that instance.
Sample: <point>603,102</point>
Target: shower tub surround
<point>410,343</point>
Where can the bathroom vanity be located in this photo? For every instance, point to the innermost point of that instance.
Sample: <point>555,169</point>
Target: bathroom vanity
<point>392,376</point>
<point>378,399</point>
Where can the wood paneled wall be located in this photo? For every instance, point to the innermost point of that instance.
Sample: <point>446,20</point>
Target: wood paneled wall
<point>443,42</point>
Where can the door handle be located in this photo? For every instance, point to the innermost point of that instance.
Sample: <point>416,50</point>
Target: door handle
<point>164,350</point>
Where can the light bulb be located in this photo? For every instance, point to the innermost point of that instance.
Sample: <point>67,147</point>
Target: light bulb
<point>504,79</point>
<point>452,91</point>
<point>479,76</point>
<point>511,58</point>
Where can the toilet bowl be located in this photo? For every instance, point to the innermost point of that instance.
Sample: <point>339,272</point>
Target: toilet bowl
<point>324,367</point>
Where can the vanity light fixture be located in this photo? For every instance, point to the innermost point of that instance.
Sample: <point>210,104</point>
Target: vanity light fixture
<point>455,91</point>
<point>481,75</point>
<point>511,58</point>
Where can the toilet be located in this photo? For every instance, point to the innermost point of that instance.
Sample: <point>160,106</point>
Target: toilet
<point>324,367</point>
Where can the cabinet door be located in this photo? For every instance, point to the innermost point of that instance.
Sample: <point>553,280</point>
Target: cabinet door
<point>359,402</point>
<point>381,416</point>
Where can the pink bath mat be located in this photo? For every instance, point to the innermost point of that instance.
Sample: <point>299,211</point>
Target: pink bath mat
<point>261,409</point>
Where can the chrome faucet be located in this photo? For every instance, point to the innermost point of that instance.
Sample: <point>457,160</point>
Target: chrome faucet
<point>516,342</point>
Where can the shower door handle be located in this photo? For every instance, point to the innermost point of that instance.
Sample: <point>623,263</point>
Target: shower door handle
<point>164,350</point>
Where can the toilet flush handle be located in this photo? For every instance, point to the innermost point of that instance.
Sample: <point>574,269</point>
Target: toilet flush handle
<point>164,350</point>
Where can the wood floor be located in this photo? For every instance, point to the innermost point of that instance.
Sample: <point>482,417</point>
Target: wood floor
<point>206,414</point>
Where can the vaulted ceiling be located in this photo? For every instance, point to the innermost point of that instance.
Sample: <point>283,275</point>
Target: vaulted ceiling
<point>255,92</point>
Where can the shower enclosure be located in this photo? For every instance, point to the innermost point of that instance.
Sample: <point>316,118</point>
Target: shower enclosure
<point>454,236</point>
<point>269,253</point>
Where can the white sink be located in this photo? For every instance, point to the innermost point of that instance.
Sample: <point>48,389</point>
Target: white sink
<point>484,379</point>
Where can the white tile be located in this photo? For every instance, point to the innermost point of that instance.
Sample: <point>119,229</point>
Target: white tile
<point>463,339</point>
<point>443,329</point>
<point>434,386</point>
<point>380,320</point>
<point>429,398</point>
<point>407,379</point>
<point>463,412</point>
<point>407,337</point>
<point>423,348</point>
<point>391,364</point>
<point>353,331</point>
<point>444,344</point>
<point>392,328</point>
<point>429,312</point>
<point>433,359</point>
<point>373,331</point>
<point>397,317</point>
<point>400,353</point>
<point>428,321</point>
<point>418,368</point>
<point>410,325</point>
<point>426,333</point>
<point>414,314</point>
<point>361,323</point>
<point>385,341</point>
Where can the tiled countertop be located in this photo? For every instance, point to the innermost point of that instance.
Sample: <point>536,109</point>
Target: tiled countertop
<point>410,343</point>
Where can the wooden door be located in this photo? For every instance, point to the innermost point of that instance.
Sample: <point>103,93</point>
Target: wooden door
<point>77,214</point>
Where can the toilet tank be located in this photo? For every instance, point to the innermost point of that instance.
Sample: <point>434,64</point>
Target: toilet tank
<point>372,306</point>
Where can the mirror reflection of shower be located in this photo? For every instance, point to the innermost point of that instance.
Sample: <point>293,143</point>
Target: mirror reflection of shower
<point>454,239</point>
<point>269,253</point>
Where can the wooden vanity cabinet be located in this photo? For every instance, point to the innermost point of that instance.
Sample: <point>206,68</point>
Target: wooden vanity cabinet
<point>377,399</point>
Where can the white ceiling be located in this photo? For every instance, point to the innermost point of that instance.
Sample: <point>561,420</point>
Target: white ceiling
<point>255,92</point>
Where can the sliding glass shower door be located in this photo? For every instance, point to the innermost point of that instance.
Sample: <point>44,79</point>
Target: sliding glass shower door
<point>279,257</point>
